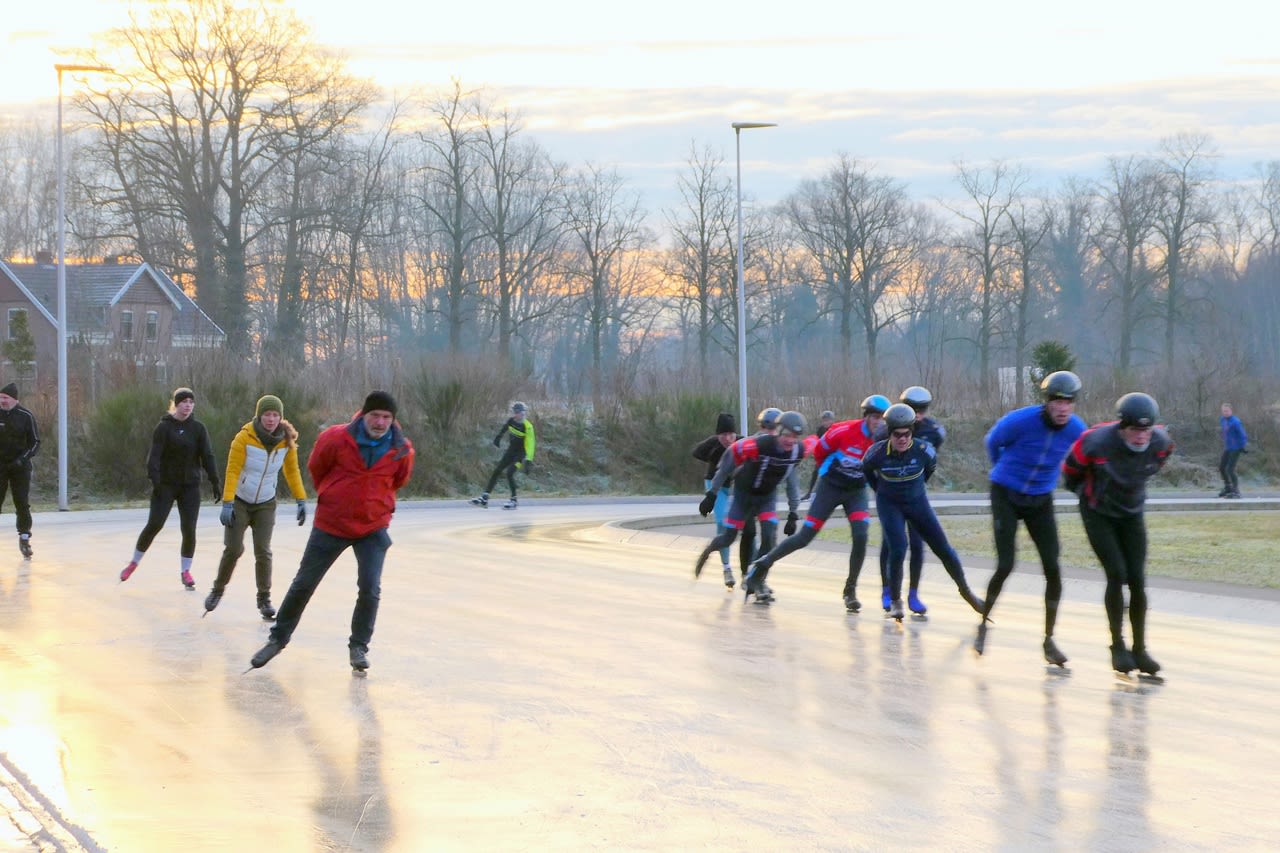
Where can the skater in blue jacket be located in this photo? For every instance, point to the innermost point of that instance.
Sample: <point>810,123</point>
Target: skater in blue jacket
<point>1234,442</point>
<point>1026,448</point>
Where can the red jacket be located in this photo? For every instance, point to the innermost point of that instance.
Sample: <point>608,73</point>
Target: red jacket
<point>352,500</point>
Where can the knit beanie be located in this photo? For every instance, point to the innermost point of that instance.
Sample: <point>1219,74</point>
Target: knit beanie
<point>725,423</point>
<point>11,390</point>
<point>268,403</point>
<point>183,394</point>
<point>379,401</point>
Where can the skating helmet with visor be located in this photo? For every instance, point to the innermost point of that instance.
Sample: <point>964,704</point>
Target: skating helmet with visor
<point>917,398</point>
<point>899,416</point>
<point>1061,385</point>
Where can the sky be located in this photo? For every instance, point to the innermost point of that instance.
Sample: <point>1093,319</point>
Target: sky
<point>909,88</point>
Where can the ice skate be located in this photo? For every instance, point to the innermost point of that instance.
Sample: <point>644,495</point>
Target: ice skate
<point>24,545</point>
<point>264,655</point>
<point>211,601</point>
<point>895,610</point>
<point>1122,660</point>
<point>265,609</point>
<point>851,603</point>
<point>1144,662</point>
<point>701,562</point>
<point>188,581</point>
<point>511,504</point>
<point>754,585</point>
<point>482,501</point>
<point>728,578</point>
<point>980,640</point>
<point>359,660</point>
<point>128,570</point>
<point>914,604</point>
<point>1053,654</point>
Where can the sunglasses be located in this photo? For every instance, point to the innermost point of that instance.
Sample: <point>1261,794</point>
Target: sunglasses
<point>901,433</point>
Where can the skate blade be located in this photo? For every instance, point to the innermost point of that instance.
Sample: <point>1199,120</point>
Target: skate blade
<point>359,673</point>
<point>919,617</point>
<point>1059,670</point>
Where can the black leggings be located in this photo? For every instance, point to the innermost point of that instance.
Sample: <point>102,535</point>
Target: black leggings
<point>1036,511</point>
<point>1227,468</point>
<point>1121,545</point>
<point>162,500</point>
<point>508,463</point>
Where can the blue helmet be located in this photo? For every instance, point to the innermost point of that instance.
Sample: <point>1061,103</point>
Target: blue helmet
<point>876,404</point>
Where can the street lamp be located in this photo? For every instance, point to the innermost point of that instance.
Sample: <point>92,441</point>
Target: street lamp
<point>62,290</point>
<point>738,127</point>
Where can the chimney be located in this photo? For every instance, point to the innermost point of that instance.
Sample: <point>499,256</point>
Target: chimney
<point>44,257</point>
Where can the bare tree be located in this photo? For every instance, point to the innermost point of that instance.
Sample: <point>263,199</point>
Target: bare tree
<point>992,190</point>
<point>1129,201</point>
<point>1184,221</point>
<point>1070,257</point>
<point>701,262</point>
<point>217,95</point>
<point>1028,228</point>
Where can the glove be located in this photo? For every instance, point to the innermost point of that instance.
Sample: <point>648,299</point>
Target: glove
<point>228,514</point>
<point>790,526</point>
<point>707,504</point>
<point>216,489</point>
<point>302,513</point>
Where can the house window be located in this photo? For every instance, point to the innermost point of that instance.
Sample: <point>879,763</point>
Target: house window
<point>153,326</point>
<point>14,312</point>
<point>126,325</point>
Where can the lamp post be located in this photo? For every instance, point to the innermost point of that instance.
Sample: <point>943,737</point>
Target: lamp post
<point>738,127</point>
<point>62,290</point>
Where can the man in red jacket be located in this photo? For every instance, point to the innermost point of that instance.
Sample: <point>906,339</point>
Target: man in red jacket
<point>356,468</point>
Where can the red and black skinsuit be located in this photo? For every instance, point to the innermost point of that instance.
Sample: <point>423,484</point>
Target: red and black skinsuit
<point>1111,479</point>
<point>758,465</point>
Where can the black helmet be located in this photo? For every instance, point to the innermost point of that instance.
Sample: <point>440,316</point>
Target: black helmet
<point>1061,385</point>
<point>768,418</point>
<point>899,415</point>
<point>1137,409</point>
<point>876,404</point>
<point>792,422</point>
<point>519,408</point>
<point>916,397</point>
<point>827,415</point>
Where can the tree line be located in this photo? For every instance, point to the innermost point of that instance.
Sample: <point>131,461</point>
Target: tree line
<point>319,224</point>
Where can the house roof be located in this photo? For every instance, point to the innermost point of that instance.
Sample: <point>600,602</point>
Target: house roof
<point>91,288</point>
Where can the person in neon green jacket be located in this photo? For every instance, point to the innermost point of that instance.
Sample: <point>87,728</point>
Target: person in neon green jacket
<point>519,453</point>
<point>263,448</point>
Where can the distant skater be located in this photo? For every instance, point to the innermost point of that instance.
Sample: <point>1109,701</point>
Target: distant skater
<point>1234,443</point>
<point>19,441</point>
<point>518,430</point>
<point>709,450</point>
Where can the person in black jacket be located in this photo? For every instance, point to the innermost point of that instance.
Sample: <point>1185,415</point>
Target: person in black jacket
<point>709,450</point>
<point>180,447</point>
<point>1108,467</point>
<point>19,441</point>
<point>519,454</point>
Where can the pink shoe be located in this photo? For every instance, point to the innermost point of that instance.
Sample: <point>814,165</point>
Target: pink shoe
<point>128,570</point>
<point>188,581</point>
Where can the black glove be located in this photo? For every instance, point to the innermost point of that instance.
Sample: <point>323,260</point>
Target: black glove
<point>707,504</point>
<point>790,526</point>
<point>217,491</point>
<point>302,513</point>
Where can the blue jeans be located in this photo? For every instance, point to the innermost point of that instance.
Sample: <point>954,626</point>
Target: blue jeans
<point>321,552</point>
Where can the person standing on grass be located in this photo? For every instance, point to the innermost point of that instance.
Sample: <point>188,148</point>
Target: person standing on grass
<point>519,454</point>
<point>709,450</point>
<point>1026,448</point>
<point>356,468</point>
<point>1234,442</point>
<point>180,447</point>
<point>1108,467</point>
<point>263,448</point>
<point>825,420</point>
<point>19,441</point>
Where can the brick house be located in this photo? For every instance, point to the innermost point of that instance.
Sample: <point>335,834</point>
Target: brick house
<point>131,314</point>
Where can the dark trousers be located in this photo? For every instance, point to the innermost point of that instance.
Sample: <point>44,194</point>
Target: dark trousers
<point>261,519</point>
<point>321,552</point>
<point>513,457</point>
<point>1121,545</point>
<point>1227,468</point>
<point>916,554</point>
<point>1036,512</point>
<point>825,500</point>
<point>17,477</point>
<point>163,497</point>
<point>745,509</point>
<point>894,516</point>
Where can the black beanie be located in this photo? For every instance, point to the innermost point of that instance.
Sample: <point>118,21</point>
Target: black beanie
<point>379,401</point>
<point>725,423</point>
<point>183,394</point>
<point>11,389</point>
